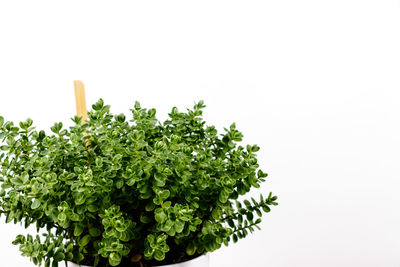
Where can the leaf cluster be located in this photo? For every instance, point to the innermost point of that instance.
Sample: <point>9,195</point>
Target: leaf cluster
<point>115,189</point>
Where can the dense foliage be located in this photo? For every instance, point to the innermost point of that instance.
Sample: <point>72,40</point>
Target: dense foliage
<point>113,190</point>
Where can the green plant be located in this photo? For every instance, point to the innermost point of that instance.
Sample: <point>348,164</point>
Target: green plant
<point>112,191</point>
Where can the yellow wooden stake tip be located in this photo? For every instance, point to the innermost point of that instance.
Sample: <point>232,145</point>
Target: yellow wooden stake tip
<point>80,100</point>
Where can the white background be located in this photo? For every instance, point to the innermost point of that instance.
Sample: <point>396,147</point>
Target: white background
<point>314,83</point>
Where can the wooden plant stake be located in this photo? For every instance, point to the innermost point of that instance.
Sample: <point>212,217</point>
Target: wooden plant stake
<point>80,100</point>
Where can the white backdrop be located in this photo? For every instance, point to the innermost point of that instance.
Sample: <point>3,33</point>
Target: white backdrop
<point>314,83</point>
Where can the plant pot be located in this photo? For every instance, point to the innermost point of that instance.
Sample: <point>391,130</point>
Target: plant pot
<point>202,261</point>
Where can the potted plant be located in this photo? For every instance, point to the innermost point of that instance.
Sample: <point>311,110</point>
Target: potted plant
<point>120,190</point>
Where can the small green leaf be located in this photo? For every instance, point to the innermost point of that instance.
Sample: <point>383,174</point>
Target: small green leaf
<point>164,194</point>
<point>130,182</point>
<point>259,214</point>
<point>249,216</point>
<point>120,118</point>
<point>25,178</point>
<point>74,217</point>
<point>22,125</point>
<point>4,148</point>
<point>150,206</point>
<point>168,226</point>
<point>137,105</point>
<point>119,184</point>
<point>92,208</point>
<point>178,226</point>
<point>99,162</point>
<point>94,231</point>
<point>191,249</point>
<point>96,261</point>
<point>78,257</point>
<point>247,204</point>
<point>235,238</point>
<point>59,256</point>
<point>69,256</point>
<point>223,197</point>
<point>80,199</point>
<point>35,204</point>
<point>145,219</point>
<point>114,259</point>
<point>42,135</point>
<point>159,255</point>
<point>84,240</point>
<point>266,208</point>
<point>62,216</point>
<point>160,216</point>
<point>69,247</point>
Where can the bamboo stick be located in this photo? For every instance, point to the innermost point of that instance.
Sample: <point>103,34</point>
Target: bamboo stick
<point>80,100</point>
<point>81,109</point>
